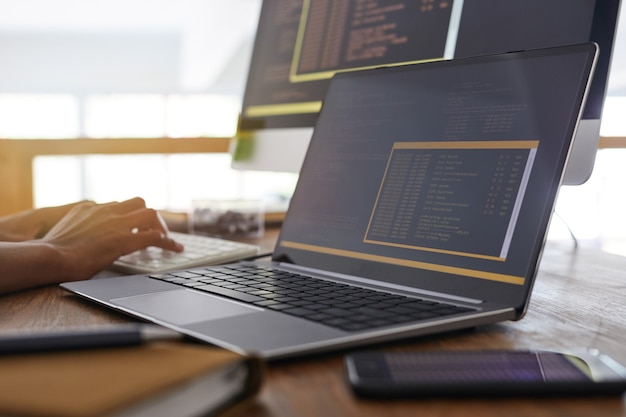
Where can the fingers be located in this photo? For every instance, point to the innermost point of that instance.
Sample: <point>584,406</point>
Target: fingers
<point>162,221</point>
<point>147,238</point>
<point>145,226</point>
<point>120,207</point>
<point>131,214</point>
<point>143,220</point>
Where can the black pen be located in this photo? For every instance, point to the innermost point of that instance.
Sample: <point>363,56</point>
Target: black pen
<point>83,337</point>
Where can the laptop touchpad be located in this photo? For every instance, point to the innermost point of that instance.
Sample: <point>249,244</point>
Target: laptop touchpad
<point>182,306</point>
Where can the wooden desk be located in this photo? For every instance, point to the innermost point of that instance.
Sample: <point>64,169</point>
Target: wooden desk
<point>579,300</point>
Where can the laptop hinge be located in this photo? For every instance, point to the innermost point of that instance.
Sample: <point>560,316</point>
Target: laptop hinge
<point>370,282</point>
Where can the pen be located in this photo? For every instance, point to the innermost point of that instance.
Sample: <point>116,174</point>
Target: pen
<point>84,337</point>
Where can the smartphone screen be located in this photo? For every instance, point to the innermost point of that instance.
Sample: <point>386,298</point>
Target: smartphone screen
<point>495,372</point>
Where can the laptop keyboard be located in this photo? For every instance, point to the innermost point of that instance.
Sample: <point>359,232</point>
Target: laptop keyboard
<point>338,305</point>
<point>199,251</point>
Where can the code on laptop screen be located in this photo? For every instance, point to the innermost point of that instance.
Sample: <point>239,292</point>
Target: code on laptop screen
<point>450,167</point>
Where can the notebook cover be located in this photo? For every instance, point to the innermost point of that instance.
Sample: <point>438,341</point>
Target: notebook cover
<point>100,382</point>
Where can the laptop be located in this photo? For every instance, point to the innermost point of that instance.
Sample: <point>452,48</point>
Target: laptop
<point>422,207</point>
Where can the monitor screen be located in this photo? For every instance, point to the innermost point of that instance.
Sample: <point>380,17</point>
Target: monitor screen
<point>301,44</point>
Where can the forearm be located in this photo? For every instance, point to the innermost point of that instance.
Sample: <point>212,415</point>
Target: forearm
<point>22,226</point>
<point>29,264</point>
<point>31,224</point>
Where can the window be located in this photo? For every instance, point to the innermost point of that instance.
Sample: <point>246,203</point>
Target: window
<point>177,68</point>
<point>130,69</point>
<point>24,116</point>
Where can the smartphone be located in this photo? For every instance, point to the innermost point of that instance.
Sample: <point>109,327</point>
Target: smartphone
<point>483,373</point>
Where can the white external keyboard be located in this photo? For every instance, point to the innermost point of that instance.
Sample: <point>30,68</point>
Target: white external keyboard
<point>199,251</point>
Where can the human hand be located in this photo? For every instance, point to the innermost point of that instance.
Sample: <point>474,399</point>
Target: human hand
<point>32,224</point>
<point>91,236</point>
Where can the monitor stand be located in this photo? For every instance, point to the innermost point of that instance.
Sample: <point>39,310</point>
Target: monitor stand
<point>276,150</point>
<point>583,154</point>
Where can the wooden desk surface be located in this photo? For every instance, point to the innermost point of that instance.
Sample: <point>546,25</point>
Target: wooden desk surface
<point>579,300</point>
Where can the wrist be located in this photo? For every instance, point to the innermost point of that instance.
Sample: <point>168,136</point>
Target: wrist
<point>31,264</point>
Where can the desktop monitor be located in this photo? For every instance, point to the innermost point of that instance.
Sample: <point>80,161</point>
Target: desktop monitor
<point>301,44</point>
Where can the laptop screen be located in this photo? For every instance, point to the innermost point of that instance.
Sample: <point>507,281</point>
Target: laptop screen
<point>441,175</point>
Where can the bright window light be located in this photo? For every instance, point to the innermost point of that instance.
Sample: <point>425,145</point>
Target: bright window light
<point>125,116</point>
<point>613,122</point>
<point>119,177</point>
<point>57,180</point>
<point>201,115</point>
<point>165,181</point>
<point>39,116</point>
<point>201,177</point>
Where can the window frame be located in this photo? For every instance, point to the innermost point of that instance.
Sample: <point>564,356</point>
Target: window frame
<point>17,156</point>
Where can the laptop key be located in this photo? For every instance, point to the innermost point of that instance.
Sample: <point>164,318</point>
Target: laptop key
<point>175,280</point>
<point>266,303</point>
<point>354,326</point>
<point>337,312</point>
<point>280,306</point>
<point>401,319</point>
<point>338,321</point>
<point>378,323</point>
<point>373,312</point>
<point>424,315</point>
<point>361,302</point>
<point>269,295</point>
<point>300,302</point>
<point>247,289</point>
<point>249,298</point>
<point>400,310</point>
<point>332,302</point>
<point>259,292</point>
<point>360,317</point>
<point>419,306</point>
<point>314,298</point>
<point>381,306</point>
<point>319,317</point>
<point>233,286</point>
<point>284,299</point>
<point>299,311</point>
<point>314,306</point>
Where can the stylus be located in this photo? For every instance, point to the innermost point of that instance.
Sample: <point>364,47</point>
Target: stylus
<point>84,337</point>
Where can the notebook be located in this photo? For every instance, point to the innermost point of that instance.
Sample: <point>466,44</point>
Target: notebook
<point>422,206</point>
<point>154,379</point>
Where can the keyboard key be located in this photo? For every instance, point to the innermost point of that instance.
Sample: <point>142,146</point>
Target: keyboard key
<point>299,311</point>
<point>300,302</point>
<point>378,323</point>
<point>266,303</point>
<point>242,296</point>
<point>337,312</point>
<point>373,312</point>
<point>199,250</point>
<point>284,299</point>
<point>352,326</point>
<point>319,317</point>
<point>400,310</point>
<point>279,306</point>
<point>259,292</point>
<point>337,322</point>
